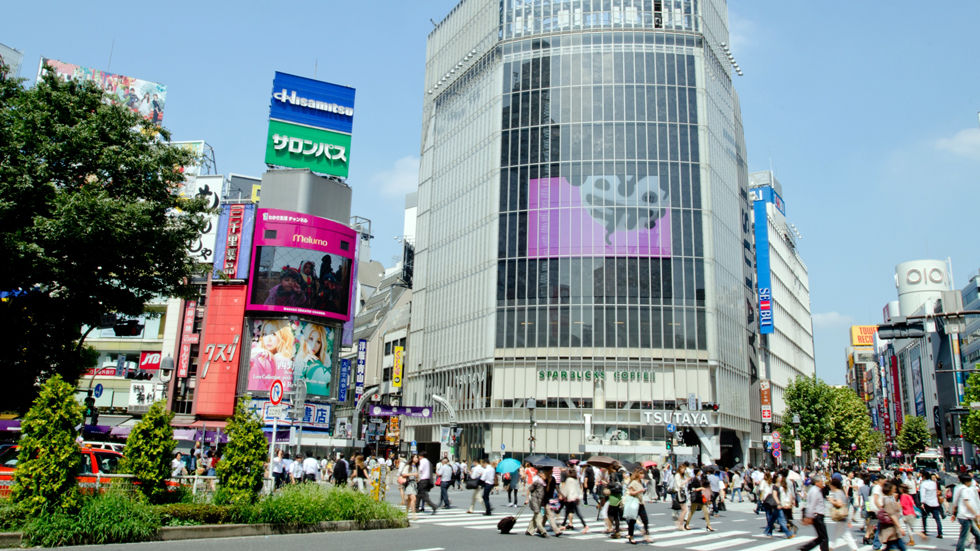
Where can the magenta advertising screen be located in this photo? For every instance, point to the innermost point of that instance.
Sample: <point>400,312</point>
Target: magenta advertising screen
<point>301,264</point>
<point>605,216</point>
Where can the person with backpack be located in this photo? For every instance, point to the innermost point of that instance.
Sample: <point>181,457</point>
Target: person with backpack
<point>511,481</point>
<point>340,471</point>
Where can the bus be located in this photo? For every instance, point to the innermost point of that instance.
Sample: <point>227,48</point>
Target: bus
<point>930,459</point>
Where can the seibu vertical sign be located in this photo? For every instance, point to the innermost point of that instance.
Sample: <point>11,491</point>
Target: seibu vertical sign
<point>220,351</point>
<point>897,394</point>
<point>187,338</point>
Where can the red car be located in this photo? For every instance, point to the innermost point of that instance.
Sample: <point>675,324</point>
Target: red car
<point>95,462</point>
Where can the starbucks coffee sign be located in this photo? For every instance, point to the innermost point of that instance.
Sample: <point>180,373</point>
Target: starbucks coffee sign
<point>588,375</point>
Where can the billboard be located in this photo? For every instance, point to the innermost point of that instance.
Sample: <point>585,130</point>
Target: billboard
<point>763,274</point>
<point>233,241</point>
<point>344,379</point>
<point>918,390</point>
<point>220,351</point>
<point>187,338</point>
<point>863,335</point>
<point>359,375</point>
<point>209,187</point>
<point>298,146</point>
<point>150,361</point>
<point>603,217</point>
<point>312,103</point>
<point>301,264</point>
<point>139,96</point>
<point>292,351</point>
<point>396,376</point>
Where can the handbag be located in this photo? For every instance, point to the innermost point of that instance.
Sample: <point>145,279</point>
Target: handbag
<point>438,480</point>
<point>631,507</point>
<point>838,514</point>
<point>884,518</point>
<point>402,480</point>
<point>472,483</point>
<point>770,501</point>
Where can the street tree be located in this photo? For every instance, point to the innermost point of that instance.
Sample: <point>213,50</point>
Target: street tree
<point>92,222</point>
<point>914,436</point>
<point>810,398</point>
<point>48,460</point>
<point>149,449</point>
<point>242,466</point>
<point>850,423</point>
<point>971,421</point>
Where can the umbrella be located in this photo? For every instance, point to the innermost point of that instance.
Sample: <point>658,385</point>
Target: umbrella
<point>630,466</point>
<point>600,461</point>
<point>533,458</point>
<point>548,462</point>
<point>508,465</point>
<point>649,464</point>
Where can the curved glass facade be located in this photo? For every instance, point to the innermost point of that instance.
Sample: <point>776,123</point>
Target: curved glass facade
<point>600,239</point>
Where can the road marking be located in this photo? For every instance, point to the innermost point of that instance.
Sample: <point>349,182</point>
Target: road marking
<point>695,539</point>
<point>429,549</point>
<point>721,544</point>
<point>778,544</point>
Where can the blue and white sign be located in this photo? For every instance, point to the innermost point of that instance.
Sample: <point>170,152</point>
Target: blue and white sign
<point>671,427</point>
<point>763,273</point>
<point>344,380</point>
<point>97,391</point>
<point>312,103</point>
<point>502,447</point>
<point>361,369</point>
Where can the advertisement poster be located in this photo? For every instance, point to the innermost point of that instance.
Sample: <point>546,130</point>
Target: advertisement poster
<point>312,103</point>
<point>918,392</point>
<point>139,96</point>
<point>396,376</point>
<point>603,217</point>
<point>298,146</point>
<point>291,351</point>
<point>763,273</point>
<point>301,264</point>
<point>233,241</point>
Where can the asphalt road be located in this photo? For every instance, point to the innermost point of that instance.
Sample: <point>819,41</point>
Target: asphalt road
<point>737,529</point>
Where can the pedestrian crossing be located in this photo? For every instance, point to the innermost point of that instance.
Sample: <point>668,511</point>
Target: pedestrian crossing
<point>737,534</point>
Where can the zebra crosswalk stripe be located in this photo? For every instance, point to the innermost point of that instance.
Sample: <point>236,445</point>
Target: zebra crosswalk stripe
<point>695,539</point>
<point>721,544</point>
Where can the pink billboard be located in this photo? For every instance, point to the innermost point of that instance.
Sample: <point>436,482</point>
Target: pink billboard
<point>604,216</point>
<point>301,264</point>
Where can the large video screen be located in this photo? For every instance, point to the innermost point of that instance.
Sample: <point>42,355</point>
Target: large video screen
<point>301,265</point>
<point>292,352</point>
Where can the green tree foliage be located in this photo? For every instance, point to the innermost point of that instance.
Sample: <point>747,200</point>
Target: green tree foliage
<point>810,398</point>
<point>914,436</point>
<point>91,223</point>
<point>149,449</point>
<point>971,422</point>
<point>850,423</point>
<point>44,481</point>
<point>242,466</point>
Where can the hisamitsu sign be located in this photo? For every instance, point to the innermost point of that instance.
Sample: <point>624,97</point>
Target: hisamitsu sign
<point>312,103</point>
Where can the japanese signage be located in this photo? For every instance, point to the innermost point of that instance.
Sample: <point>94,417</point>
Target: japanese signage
<point>361,369</point>
<point>150,361</point>
<point>344,380</point>
<point>187,338</point>
<point>396,375</point>
<point>233,241</point>
<point>863,335</point>
<point>313,415</point>
<point>765,398</point>
<point>292,351</point>
<point>139,96</point>
<point>896,393</point>
<point>208,187</point>
<point>297,146</point>
<point>394,429</point>
<point>390,411</point>
<point>220,351</point>
<point>142,395</point>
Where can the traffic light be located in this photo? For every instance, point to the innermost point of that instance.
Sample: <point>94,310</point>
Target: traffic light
<point>91,411</point>
<point>128,328</point>
<point>670,445</point>
<point>709,406</point>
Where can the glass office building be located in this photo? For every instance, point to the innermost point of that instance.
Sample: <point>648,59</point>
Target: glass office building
<point>583,261</point>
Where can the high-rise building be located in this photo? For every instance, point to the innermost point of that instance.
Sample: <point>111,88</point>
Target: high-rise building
<point>583,277</point>
<point>784,297</point>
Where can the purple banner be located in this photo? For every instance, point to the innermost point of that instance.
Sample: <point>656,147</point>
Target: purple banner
<point>605,216</point>
<point>392,411</point>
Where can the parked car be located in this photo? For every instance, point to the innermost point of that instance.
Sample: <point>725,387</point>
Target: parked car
<point>95,463</point>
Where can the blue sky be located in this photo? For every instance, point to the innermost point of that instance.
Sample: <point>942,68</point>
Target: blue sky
<point>868,115</point>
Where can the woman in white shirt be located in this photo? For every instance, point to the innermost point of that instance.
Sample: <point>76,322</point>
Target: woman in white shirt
<point>680,495</point>
<point>571,492</point>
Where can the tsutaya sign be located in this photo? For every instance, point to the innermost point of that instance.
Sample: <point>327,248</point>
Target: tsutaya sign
<point>595,375</point>
<point>680,418</point>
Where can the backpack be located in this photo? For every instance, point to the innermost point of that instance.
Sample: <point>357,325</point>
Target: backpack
<point>340,469</point>
<point>506,477</point>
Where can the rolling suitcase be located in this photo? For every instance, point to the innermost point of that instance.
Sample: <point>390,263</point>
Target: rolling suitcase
<point>506,524</point>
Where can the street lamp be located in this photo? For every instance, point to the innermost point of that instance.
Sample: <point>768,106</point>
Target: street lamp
<point>531,405</point>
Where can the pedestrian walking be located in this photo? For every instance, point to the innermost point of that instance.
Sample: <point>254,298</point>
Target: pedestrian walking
<point>735,487</point>
<point>444,474</point>
<point>425,484</point>
<point>475,483</point>
<point>570,492</point>
<point>511,481</point>
<point>537,502</point>
<point>929,497</point>
<point>633,508</point>
<point>680,495</point>
<point>816,510</point>
<point>340,471</point>
<point>965,507</point>
<point>409,479</point>
<point>489,479</point>
<point>890,518</point>
<point>840,517</point>
<point>909,518</point>
<point>311,468</point>
<point>699,488</point>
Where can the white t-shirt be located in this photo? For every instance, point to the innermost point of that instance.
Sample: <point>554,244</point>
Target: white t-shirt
<point>310,466</point>
<point>927,493</point>
<point>487,475</point>
<point>876,498</point>
<point>757,477</point>
<point>966,494</point>
<point>477,472</point>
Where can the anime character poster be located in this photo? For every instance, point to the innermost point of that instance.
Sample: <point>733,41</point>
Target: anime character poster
<point>292,352</point>
<point>140,96</point>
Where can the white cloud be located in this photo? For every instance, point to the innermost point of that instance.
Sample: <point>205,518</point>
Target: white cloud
<point>965,143</point>
<point>400,179</point>
<point>831,320</point>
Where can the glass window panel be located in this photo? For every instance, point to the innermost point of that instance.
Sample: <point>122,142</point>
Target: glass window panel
<point>598,323</point>
<point>633,326</point>
<point>520,328</point>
